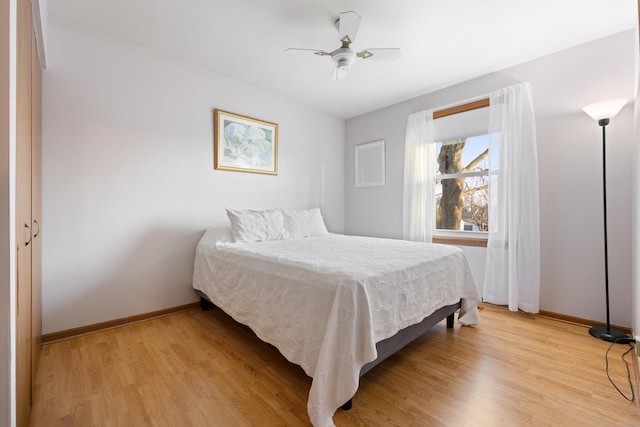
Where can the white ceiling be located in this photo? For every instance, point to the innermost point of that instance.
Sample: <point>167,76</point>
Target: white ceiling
<point>443,42</point>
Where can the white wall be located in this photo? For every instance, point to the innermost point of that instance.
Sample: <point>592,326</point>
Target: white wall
<point>569,150</point>
<point>128,179</point>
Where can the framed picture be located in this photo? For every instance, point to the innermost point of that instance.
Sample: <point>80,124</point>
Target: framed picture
<point>370,169</point>
<point>244,144</point>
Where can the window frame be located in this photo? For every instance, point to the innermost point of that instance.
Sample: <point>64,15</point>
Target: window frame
<point>459,237</point>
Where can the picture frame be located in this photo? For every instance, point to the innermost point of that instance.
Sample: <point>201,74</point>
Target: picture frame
<point>370,164</point>
<point>244,144</point>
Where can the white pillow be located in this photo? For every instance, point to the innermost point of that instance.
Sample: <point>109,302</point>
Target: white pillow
<point>303,223</point>
<point>256,226</point>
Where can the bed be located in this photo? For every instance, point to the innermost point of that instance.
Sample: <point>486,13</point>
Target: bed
<point>335,305</point>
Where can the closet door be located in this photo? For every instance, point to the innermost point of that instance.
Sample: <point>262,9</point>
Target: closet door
<point>36,210</point>
<point>24,235</point>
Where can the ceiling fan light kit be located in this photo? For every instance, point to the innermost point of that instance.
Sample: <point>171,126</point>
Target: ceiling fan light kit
<point>343,57</point>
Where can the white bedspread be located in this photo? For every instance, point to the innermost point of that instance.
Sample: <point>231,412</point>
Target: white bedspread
<point>325,301</point>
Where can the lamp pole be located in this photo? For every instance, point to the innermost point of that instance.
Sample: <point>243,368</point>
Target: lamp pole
<point>606,333</point>
<point>604,123</point>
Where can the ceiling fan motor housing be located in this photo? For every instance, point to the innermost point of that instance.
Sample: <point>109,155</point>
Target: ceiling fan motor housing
<point>343,57</point>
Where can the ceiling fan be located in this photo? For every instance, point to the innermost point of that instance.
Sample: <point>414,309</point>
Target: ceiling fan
<point>344,56</point>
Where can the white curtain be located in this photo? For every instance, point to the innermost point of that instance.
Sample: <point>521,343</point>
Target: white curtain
<point>419,171</point>
<point>512,274</point>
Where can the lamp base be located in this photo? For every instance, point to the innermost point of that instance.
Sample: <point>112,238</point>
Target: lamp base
<point>609,334</point>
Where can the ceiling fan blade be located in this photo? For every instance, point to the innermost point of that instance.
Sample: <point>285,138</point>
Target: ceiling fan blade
<point>348,25</point>
<point>380,54</point>
<point>316,51</point>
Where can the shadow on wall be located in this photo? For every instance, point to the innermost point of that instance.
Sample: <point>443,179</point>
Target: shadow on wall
<point>154,273</point>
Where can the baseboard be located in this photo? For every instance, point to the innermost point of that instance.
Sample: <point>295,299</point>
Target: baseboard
<point>567,318</point>
<point>89,329</point>
<point>96,327</point>
<point>581,321</point>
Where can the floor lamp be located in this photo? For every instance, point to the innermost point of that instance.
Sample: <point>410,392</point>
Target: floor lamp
<point>602,112</point>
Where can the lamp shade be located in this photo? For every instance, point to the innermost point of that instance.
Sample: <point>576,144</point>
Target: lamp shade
<point>605,109</point>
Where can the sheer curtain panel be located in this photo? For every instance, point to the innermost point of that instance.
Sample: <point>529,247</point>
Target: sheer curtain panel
<point>419,170</point>
<point>512,274</point>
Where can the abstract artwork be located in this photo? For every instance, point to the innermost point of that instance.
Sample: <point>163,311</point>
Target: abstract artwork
<point>244,144</point>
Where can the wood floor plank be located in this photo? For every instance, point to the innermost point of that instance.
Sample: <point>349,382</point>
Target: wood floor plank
<point>198,368</point>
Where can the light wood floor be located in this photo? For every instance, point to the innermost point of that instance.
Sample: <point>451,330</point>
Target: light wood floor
<point>203,369</point>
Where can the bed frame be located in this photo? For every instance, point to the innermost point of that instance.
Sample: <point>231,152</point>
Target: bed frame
<point>389,346</point>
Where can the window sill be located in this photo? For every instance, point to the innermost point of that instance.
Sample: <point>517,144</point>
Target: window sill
<point>460,241</point>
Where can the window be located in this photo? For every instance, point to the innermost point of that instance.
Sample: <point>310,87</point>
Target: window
<point>461,171</point>
<point>461,193</point>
